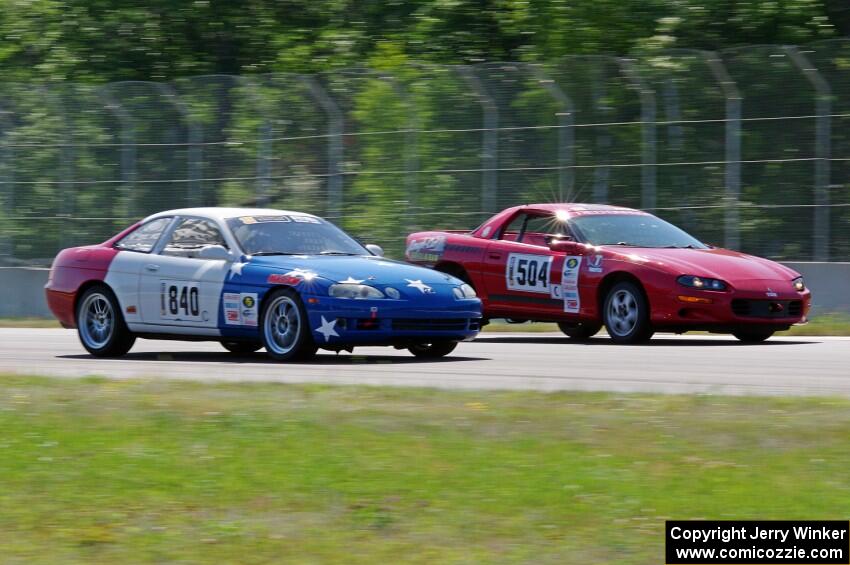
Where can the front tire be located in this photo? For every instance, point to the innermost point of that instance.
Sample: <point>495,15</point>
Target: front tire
<point>626,314</point>
<point>241,347</point>
<point>100,324</point>
<point>433,350</point>
<point>753,336</point>
<point>580,331</point>
<point>285,328</point>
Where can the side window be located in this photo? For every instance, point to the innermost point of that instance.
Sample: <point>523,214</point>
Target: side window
<point>513,231</point>
<point>190,236</point>
<point>539,230</point>
<point>145,237</point>
<point>535,229</point>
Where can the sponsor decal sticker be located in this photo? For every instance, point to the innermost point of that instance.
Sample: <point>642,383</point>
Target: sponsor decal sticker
<point>594,264</point>
<point>249,309</point>
<point>569,284</point>
<point>528,273</point>
<point>240,309</point>
<point>232,316</point>
<point>302,274</point>
<point>306,220</point>
<point>277,278</point>
<point>426,248</point>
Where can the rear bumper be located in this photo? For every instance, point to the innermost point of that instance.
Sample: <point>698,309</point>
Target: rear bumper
<point>390,322</point>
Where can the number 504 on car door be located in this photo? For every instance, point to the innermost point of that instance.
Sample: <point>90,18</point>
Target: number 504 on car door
<point>529,273</point>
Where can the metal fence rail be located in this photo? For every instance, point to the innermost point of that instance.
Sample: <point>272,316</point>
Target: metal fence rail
<point>744,148</point>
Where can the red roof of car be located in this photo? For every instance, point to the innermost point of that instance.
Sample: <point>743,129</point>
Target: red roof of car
<point>569,208</point>
<point>577,208</point>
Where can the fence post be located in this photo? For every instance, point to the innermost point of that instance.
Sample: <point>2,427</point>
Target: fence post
<point>128,149</point>
<point>823,126</point>
<point>7,185</point>
<point>649,149</point>
<point>336,128</point>
<point>264,152</point>
<point>732,231</point>
<point>194,139</point>
<point>66,166</point>
<point>489,142</point>
<point>566,133</point>
<point>602,135</point>
<point>411,155</point>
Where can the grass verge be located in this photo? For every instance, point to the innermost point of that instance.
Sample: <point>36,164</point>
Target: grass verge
<point>101,471</point>
<point>29,323</point>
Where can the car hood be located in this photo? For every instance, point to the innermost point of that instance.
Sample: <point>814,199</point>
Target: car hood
<point>372,270</point>
<point>730,266</point>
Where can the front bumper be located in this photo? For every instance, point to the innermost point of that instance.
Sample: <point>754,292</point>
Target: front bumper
<point>730,310</point>
<point>390,322</point>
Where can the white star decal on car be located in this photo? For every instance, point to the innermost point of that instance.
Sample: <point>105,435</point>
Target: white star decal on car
<point>236,269</point>
<point>351,280</point>
<point>419,285</point>
<point>327,329</point>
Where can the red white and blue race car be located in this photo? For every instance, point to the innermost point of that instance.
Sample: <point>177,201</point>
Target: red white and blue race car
<point>585,266</point>
<point>252,278</point>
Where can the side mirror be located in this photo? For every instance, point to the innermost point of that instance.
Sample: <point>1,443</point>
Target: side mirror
<point>214,253</point>
<point>566,246</point>
<point>375,249</point>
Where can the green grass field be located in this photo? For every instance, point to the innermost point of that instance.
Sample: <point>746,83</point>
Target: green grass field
<point>100,471</point>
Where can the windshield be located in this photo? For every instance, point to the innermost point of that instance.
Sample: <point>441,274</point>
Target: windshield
<point>292,235</point>
<point>632,230</point>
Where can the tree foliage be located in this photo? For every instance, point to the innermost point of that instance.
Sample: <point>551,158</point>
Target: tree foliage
<point>108,40</point>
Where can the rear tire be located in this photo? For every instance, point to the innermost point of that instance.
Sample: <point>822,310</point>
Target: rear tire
<point>753,336</point>
<point>626,314</point>
<point>241,347</point>
<point>285,328</point>
<point>580,331</point>
<point>100,324</point>
<point>433,350</point>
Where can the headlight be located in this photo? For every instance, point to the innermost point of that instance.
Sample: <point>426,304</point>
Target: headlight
<point>356,291</point>
<point>464,291</point>
<point>392,293</point>
<point>799,285</point>
<point>701,283</point>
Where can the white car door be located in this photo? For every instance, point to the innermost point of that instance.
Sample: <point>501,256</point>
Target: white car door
<point>179,292</point>
<point>134,252</point>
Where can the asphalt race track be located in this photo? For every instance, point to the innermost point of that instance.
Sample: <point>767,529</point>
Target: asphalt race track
<point>547,362</point>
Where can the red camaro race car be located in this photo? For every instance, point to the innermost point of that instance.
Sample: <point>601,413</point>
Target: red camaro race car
<point>585,266</point>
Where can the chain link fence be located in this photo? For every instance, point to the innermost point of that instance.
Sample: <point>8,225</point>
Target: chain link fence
<point>745,148</point>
